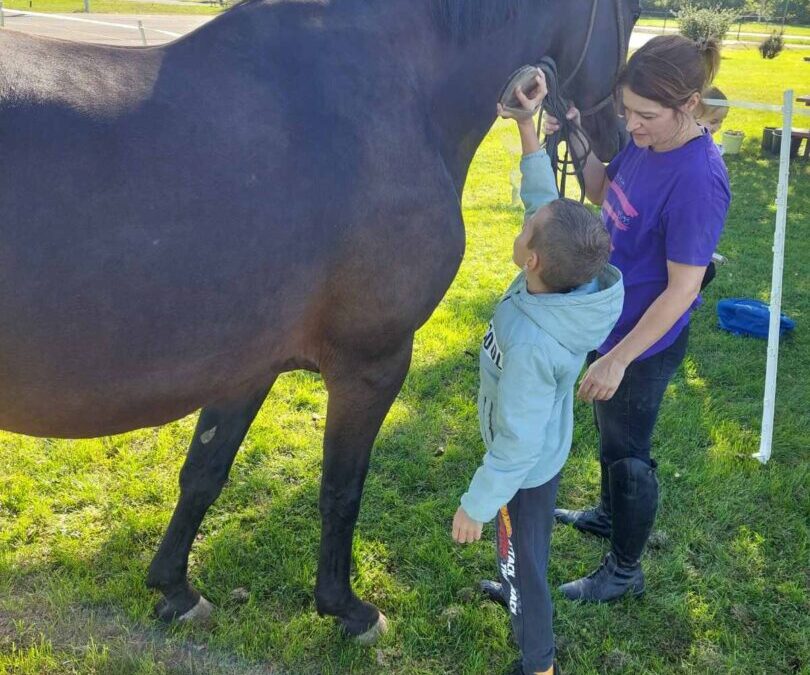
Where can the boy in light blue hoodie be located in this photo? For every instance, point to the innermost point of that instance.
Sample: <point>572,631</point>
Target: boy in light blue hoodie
<point>561,306</point>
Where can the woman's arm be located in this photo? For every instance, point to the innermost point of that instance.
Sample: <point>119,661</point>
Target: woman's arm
<point>605,374</point>
<point>593,171</point>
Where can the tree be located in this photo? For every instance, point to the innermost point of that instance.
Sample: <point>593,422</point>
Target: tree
<point>703,23</point>
<point>762,8</point>
<point>796,11</point>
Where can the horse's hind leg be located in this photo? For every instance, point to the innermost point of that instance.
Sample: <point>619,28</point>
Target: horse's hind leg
<point>219,432</point>
<point>360,395</point>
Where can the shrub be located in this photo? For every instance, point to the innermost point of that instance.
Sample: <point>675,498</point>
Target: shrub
<point>703,23</point>
<point>772,45</point>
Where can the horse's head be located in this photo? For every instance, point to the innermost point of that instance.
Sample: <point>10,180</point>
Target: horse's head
<point>588,61</point>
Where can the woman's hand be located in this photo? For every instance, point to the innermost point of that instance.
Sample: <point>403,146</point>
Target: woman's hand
<point>552,125</point>
<point>529,102</point>
<point>602,379</point>
<point>465,529</point>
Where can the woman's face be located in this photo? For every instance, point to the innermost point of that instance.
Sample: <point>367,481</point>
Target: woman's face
<point>652,124</point>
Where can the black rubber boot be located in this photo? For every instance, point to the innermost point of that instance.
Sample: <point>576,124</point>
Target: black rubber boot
<point>634,501</point>
<point>492,590</point>
<point>594,521</point>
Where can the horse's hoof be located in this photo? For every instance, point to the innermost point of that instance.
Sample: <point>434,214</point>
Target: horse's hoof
<point>374,633</point>
<point>200,613</point>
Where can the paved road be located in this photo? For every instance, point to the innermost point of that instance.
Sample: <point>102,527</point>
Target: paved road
<point>122,29</point>
<point>112,29</point>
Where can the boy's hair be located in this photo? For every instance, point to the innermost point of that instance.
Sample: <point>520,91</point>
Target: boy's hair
<point>573,245</point>
<point>710,93</point>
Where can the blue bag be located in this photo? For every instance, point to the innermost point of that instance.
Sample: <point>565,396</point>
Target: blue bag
<point>745,316</point>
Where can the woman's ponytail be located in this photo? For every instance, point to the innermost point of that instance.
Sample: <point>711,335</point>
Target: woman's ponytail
<point>669,69</point>
<point>709,49</point>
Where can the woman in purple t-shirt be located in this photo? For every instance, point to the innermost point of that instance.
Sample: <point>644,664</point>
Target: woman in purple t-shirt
<point>664,200</point>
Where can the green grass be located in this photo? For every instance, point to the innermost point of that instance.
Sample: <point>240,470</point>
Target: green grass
<point>727,579</point>
<point>111,7</point>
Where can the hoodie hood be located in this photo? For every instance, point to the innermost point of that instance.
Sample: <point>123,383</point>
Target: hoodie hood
<point>579,320</point>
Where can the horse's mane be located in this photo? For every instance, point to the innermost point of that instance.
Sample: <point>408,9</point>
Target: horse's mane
<point>460,20</point>
<point>466,19</point>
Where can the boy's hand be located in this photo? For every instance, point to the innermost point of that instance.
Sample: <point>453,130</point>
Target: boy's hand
<point>465,529</point>
<point>529,103</point>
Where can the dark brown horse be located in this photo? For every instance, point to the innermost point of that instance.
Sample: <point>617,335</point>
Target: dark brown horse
<point>278,190</point>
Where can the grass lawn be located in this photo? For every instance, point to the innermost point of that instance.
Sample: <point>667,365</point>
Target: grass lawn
<point>727,576</point>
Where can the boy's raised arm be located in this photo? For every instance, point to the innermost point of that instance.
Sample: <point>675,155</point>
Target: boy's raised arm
<point>538,186</point>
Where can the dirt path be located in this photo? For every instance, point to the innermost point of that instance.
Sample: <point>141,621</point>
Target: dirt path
<point>119,645</point>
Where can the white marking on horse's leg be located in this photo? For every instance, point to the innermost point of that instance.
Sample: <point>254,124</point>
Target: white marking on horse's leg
<point>374,633</point>
<point>206,436</point>
<point>199,613</point>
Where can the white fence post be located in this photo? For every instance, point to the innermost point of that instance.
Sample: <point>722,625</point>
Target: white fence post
<point>2,16</point>
<point>769,402</point>
<point>143,32</point>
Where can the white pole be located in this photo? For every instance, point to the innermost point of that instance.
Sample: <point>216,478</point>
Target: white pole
<point>768,410</point>
<point>143,32</point>
<point>2,16</point>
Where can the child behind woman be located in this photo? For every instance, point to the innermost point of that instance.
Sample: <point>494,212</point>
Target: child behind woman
<point>712,117</point>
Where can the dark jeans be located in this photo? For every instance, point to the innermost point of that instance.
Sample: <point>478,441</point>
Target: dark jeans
<point>523,537</point>
<point>708,275</point>
<point>625,423</point>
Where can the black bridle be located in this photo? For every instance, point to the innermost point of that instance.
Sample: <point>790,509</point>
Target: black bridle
<point>557,104</point>
<point>620,29</point>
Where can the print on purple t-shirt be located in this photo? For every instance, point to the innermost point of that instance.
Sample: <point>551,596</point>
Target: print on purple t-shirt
<point>662,206</point>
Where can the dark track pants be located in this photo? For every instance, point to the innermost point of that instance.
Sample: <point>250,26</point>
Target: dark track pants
<point>523,537</point>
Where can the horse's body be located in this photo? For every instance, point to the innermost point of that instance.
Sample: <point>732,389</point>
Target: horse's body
<point>278,190</point>
<point>170,209</point>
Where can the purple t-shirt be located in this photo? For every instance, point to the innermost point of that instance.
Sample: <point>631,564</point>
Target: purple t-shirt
<point>662,206</point>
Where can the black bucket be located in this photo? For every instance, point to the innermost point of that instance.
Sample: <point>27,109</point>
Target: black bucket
<point>767,139</point>
<point>795,143</point>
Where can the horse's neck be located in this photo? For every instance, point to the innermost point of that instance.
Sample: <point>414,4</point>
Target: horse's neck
<point>465,93</point>
<point>460,80</point>
<point>463,109</point>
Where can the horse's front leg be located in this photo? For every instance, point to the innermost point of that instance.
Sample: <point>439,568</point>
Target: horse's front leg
<point>220,430</point>
<point>360,394</point>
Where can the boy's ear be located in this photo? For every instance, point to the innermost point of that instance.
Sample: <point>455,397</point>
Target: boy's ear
<point>533,262</point>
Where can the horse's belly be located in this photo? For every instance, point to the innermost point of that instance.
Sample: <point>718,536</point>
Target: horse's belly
<point>67,377</point>
<point>84,399</point>
<point>41,412</point>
